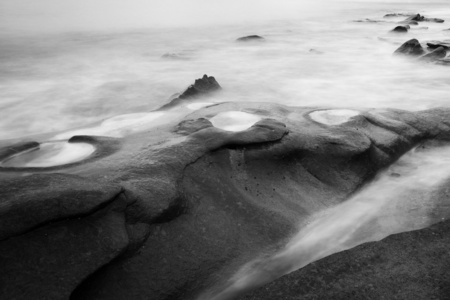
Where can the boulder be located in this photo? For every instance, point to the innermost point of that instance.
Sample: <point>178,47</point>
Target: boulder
<point>401,29</point>
<point>410,48</point>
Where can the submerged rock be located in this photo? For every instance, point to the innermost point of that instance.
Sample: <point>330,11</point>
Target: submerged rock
<point>369,21</point>
<point>410,48</point>
<point>314,51</point>
<point>401,29</point>
<point>397,15</point>
<point>250,38</point>
<point>437,54</point>
<point>174,56</point>
<point>437,44</point>
<point>419,18</point>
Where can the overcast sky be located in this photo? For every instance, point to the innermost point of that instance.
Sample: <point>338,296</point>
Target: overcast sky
<point>104,14</point>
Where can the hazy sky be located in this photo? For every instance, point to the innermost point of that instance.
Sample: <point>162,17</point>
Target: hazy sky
<point>104,14</point>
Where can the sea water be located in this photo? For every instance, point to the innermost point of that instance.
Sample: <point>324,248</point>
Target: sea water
<point>69,64</point>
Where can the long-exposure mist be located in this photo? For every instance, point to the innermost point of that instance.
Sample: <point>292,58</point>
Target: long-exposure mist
<point>218,150</point>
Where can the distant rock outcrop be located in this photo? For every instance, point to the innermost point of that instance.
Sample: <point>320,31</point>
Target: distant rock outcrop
<point>201,87</point>
<point>401,29</point>
<point>250,38</point>
<point>410,48</point>
<point>419,18</point>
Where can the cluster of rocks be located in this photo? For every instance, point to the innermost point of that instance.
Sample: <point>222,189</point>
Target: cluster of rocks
<point>437,51</point>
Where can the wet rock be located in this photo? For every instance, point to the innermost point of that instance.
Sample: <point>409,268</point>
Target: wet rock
<point>401,29</point>
<point>55,233</point>
<point>401,266</point>
<point>419,18</point>
<point>437,44</point>
<point>179,208</point>
<point>410,48</point>
<point>437,54</point>
<point>201,87</point>
<point>250,38</point>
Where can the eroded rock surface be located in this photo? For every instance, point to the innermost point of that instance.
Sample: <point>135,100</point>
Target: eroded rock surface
<point>176,209</point>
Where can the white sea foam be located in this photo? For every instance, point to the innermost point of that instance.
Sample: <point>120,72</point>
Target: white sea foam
<point>234,120</point>
<point>50,154</point>
<point>333,116</point>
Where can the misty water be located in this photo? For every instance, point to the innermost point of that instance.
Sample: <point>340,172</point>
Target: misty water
<point>57,73</point>
<point>67,66</point>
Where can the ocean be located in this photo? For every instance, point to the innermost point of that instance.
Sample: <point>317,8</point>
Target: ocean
<point>67,65</point>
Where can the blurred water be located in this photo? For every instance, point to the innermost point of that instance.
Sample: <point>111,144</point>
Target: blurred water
<point>57,73</point>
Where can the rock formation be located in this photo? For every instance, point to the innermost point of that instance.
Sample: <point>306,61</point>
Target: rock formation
<point>174,210</point>
<point>414,49</point>
<point>201,87</point>
<point>410,48</point>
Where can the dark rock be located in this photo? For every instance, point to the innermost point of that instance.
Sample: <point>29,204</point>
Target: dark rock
<point>202,87</point>
<point>250,38</point>
<point>437,44</point>
<point>437,54</point>
<point>402,266</point>
<point>48,198</point>
<point>419,18</point>
<point>401,29</point>
<point>180,208</point>
<point>410,48</point>
<point>408,22</point>
<point>56,230</point>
